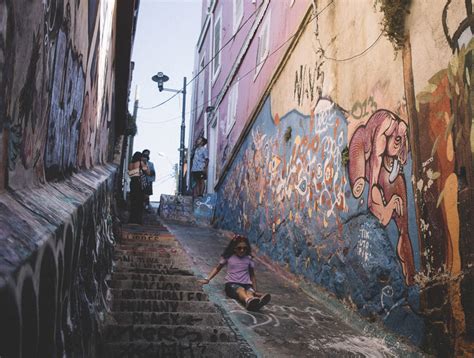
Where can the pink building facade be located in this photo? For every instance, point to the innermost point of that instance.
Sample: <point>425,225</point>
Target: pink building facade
<point>238,52</point>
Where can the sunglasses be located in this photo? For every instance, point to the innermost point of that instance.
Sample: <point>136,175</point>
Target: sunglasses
<point>241,248</point>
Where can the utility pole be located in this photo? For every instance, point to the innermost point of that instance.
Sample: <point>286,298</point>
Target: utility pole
<point>160,78</point>
<point>181,185</point>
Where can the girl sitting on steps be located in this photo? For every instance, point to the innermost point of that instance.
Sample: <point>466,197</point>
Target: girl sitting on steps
<point>241,283</point>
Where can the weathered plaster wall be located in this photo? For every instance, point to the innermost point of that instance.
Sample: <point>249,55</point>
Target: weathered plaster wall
<point>357,172</point>
<point>55,255</point>
<point>57,78</point>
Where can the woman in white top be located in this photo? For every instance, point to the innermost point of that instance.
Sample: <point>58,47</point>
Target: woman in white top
<point>136,166</point>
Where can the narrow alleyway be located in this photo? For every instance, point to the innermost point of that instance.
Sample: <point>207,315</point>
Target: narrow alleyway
<point>158,309</point>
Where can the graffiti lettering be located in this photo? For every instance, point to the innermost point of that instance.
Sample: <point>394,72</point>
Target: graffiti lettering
<point>167,318</point>
<point>363,109</point>
<point>162,349</point>
<point>308,83</point>
<point>146,305</point>
<point>153,333</point>
<point>144,237</point>
<point>141,285</point>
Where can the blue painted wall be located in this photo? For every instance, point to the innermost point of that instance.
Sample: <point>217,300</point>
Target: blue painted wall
<point>288,190</point>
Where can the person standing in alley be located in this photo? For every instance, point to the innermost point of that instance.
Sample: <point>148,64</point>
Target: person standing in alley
<point>199,166</point>
<point>150,179</point>
<point>136,168</point>
<point>241,282</point>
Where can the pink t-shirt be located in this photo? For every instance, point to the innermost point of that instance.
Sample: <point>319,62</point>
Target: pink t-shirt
<point>238,268</point>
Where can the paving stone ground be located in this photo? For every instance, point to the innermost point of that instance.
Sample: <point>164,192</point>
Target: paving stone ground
<point>294,324</point>
<point>157,308</point>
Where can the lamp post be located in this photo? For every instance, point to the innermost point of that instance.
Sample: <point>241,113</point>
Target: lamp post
<point>160,78</point>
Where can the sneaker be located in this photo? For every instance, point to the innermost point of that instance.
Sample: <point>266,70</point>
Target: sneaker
<point>263,300</point>
<point>252,304</point>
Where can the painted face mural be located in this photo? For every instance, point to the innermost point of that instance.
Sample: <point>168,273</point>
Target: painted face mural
<point>378,151</point>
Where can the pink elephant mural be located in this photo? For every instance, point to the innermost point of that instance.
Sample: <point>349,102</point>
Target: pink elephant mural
<point>377,151</point>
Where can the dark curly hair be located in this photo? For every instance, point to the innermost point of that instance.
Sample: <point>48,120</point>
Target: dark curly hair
<point>137,156</point>
<point>236,239</point>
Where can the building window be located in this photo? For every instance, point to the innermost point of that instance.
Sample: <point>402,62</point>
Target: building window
<point>217,46</point>
<point>238,14</point>
<point>232,107</point>
<point>263,45</point>
<point>201,83</point>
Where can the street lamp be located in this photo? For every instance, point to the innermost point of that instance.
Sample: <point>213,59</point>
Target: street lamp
<point>160,78</point>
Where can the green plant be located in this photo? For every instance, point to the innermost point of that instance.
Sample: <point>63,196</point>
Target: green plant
<point>287,134</point>
<point>345,156</point>
<point>393,23</point>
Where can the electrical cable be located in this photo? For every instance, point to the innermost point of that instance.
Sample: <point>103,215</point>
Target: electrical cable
<point>208,63</point>
<point>352,57</point>
<point>277,49</point>
<point>247,73</point>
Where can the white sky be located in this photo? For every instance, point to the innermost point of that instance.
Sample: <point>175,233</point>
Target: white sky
<point>166,37</point>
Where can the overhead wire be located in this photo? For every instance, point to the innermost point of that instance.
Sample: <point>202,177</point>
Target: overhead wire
<point>208,63</point>
<point>270,54</point>
<point>250,71</point>
<point>351,57</point>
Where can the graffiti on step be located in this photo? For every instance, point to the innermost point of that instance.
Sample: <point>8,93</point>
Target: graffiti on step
<point>142,259</point>
<point>146,305</point>
<point>161,295</point>
<point>179,334</point>
<point>140,285</point>
<point>176,349</point>
<point>150,278</point>
<point>145,237</point>
<point>167,318</point>
<point>158,251</point>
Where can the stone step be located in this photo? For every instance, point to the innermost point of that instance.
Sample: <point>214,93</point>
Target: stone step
<point>124,276</point>
<point>168,333</point>
<point>165,264</point>
<point>173,349</point>
<point>150,251</point>
<point>129,244</point>
<point>151,259</point>
<point>159,295</point>
<point>155,285</point>
<point>148,245</point>
<point>144,228</point>
<point>162,306</point>
<point>169,270</point>
<point>147,237</point>
<point>170,318</point>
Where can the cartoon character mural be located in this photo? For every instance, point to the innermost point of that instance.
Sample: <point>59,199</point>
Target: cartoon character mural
<point>378,150</point>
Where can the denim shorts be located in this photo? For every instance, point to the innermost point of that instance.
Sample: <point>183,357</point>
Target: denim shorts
<point>231,289</point>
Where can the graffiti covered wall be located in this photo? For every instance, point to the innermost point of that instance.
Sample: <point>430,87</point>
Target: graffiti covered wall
<point>57,91</point>
<point>357,172</point>
<point>57,78</point>
<point>55,258</point>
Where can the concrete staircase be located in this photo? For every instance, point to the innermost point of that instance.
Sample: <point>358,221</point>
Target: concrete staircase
<point>158,308</point>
